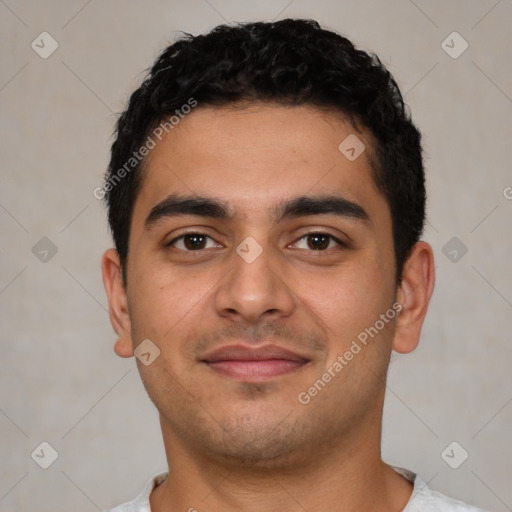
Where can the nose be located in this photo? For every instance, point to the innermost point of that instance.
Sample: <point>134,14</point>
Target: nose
<point>254,290</point>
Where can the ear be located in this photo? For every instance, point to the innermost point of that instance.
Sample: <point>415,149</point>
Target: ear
<point>117,302</point>
<point>414,295</point>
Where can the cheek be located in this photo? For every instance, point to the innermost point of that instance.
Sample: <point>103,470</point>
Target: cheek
<point>347,293</point>
<point>165,301</point>
<point>348,301</point>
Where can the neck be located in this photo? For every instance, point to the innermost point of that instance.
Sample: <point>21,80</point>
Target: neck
<point>346,474</point>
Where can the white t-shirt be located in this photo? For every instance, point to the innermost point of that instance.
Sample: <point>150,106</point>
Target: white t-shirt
<point>422,498</point>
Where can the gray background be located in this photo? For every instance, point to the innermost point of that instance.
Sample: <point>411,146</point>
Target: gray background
<point>60,379</point>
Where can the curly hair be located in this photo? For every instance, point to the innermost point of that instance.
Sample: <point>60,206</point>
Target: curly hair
<point>289,62</point>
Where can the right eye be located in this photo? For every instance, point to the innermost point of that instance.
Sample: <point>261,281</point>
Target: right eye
<point>192,242</point>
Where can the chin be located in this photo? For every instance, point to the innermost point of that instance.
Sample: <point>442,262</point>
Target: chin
<point>259,439</point>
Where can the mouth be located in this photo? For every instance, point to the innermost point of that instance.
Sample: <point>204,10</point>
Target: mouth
<point>254,364</point>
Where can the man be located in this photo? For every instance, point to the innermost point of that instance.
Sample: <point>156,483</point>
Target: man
<point>266,197</point>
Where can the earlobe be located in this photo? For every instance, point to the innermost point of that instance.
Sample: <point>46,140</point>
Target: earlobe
<point>414,295</point>
<point>118,302</point>
<point>123,347</point>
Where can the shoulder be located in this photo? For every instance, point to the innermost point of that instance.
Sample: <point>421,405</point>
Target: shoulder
<point>141,502</point>
<point>423,499</point>
<point>433,501</point>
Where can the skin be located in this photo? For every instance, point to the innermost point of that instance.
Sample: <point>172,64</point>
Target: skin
<point>252,446</point>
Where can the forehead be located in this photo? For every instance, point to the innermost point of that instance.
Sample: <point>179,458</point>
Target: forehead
<point>252,157</point>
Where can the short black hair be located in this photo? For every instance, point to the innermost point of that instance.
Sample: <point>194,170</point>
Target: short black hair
<point>289,62</point>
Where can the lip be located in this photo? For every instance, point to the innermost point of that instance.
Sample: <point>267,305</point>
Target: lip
<point>254,363</point>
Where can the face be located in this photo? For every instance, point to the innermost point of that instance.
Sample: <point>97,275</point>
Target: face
<point>259,256</point>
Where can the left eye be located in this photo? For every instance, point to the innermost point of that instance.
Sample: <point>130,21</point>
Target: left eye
<point>193,242</point>
<point>317,241</point>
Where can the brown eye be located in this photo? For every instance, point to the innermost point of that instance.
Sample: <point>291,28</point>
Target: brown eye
<point>317,242</point>
<point>193,242</point>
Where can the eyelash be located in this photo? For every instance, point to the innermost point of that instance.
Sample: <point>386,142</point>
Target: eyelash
<point>304,236</point>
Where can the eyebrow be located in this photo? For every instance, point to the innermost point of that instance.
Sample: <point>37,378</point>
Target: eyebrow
<point>176,205</point>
